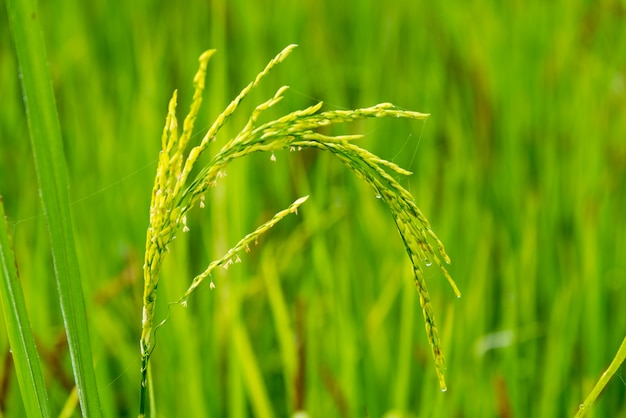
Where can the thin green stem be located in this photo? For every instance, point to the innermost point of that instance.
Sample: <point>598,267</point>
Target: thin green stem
<point>603,381</point>
<point>144,388</point>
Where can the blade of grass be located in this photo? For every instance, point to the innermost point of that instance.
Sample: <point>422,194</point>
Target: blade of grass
<point>251,372</point>
<point>402,385</point>
<point>602,382</point>
<point>280,314</point>
<point>45,134</point>
<point>25,356</point>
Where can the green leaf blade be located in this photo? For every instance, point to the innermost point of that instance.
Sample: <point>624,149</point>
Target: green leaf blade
<point>25,356</point>
<point>45,133</point>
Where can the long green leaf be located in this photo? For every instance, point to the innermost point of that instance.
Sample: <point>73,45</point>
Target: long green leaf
<point>25,356</point>
<point>45,134</point>
<point>616,363</point>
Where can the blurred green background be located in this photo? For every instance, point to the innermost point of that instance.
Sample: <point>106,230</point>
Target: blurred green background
<point>521,169</point>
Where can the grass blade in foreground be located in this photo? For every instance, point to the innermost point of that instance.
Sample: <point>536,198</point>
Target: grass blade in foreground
<point>45,134</point>
<point>603,381</point>
<point>25,356</point>
<point>173,196</point>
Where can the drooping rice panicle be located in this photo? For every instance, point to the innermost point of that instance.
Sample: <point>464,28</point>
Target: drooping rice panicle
<point>174,194</point>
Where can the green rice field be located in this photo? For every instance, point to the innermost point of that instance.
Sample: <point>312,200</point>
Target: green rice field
<point>520,169</point>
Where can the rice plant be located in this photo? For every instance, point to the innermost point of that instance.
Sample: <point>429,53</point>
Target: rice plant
<point>175,193</point>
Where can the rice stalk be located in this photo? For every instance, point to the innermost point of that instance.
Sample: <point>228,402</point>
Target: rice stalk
<point>174,194</point>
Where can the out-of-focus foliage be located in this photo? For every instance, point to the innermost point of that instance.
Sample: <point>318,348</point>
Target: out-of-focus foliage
<point>521,169</point>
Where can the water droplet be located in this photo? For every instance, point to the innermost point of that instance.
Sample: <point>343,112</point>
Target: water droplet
<point>428,262</point>
<point>378,196</point>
